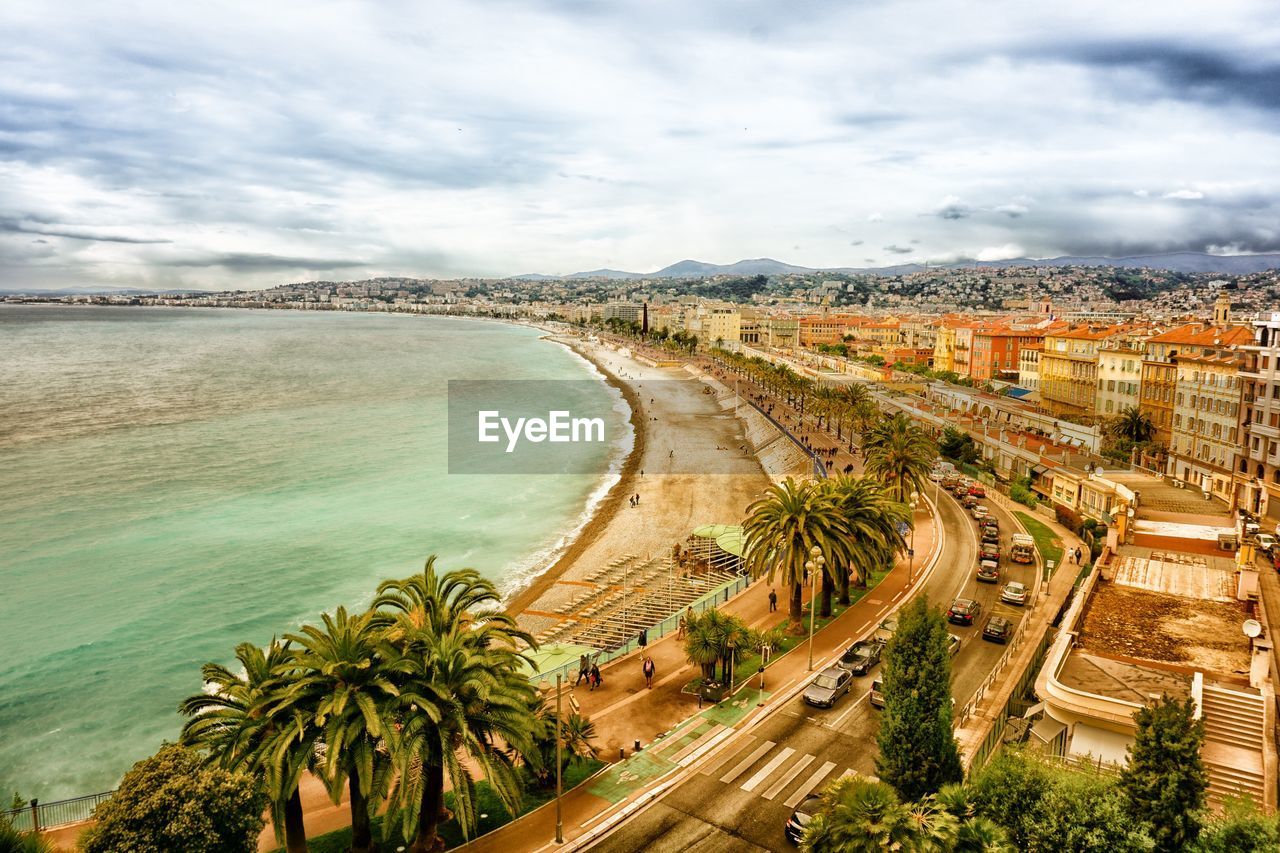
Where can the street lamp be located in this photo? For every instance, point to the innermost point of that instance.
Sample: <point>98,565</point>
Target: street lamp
<point>559,781</point>
<point>911,549</point>
<point>814,568</point>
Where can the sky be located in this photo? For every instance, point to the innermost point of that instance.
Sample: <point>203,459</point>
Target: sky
<point>241,145</point>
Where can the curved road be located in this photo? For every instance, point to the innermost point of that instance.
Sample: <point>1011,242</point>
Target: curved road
<point>740,798</point>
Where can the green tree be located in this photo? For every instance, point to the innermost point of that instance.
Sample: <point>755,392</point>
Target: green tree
<point>1241,828</point>
<point>13,841</point>
<point>577,735</point>
<point>858,815</point>
<point>1131,424</point>
<point>465,694</point>
<point>1085,812</point>
<point>344,680</point>
<point>232,724</point>
<point>175,801</point>
<point>899,454</point>
<point>1165,780</point>
<point>872,519</point>
<point>918,752</point>
<point>958,445</point>
<point>1008,790</point>
<point>783,526</point>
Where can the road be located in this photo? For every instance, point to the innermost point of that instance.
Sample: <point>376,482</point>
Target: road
<point>742,796</point>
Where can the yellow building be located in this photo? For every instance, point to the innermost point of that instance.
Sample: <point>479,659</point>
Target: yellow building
<point>944,348</point>
<point>1206,422</point>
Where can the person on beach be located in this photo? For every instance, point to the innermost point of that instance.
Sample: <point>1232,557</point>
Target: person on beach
<point>631,501</point>
<point>773,600</point>
<point>584,670</point>
<point>637,499</point>
<point>649,669</point>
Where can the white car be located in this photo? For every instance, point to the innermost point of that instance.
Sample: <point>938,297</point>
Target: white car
<point>1014,593</point>
<point>1266,543</point>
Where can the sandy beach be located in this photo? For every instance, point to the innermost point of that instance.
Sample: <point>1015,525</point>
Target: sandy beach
<point>691,465</point>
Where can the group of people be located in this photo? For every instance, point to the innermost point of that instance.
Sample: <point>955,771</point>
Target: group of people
<point>590,670</point>
<point>1074,556</point>
<point>635,499</point>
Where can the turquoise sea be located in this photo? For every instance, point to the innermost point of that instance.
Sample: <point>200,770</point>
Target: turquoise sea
<point>176,481</point>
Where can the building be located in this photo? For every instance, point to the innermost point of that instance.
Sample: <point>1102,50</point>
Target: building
<point>995,351</point>
<point>944,348</point>
<point>1069,367</point>
<point>1119,378</point>
<point>826,329</point>
<point>1160,373</point>
<point>1029,366</point>
<point>627,312</point>
<point>1206,422</point>
<point>1258,467</point>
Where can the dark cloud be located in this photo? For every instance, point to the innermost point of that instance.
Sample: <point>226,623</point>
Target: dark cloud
<point>18,226</point>
<point>898,250</point>
<point>251,261</point>
<point>953,208</point>
<point>1188,72</point>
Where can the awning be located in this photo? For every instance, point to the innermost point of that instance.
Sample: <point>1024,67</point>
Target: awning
<point>1037,470</point>
<point>1095,744</point>
<point>1047,729</point>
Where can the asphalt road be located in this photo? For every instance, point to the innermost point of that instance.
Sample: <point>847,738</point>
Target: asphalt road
<point>742,797</point>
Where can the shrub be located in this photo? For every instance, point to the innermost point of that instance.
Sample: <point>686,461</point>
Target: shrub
<point>1068,518</point>
<point>173,801</point>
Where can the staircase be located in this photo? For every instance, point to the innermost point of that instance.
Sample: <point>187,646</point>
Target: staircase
<point>1234,740</point>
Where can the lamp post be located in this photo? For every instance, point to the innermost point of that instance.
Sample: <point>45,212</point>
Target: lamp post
<point>814,568</point>
<point>559,781</point>
<point>911,549</point>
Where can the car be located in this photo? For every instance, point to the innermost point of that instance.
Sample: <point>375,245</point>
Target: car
<point>829,685</point>
<point>953,644</point>
<point>884,632</point>
<point>862,656</point>
<point>968,502</point>
<point>960,492</point>
<point>988,551</point>
<point>1014,593</point>
<point>801,817</point>
<point>964,611</point>
<point>989,521</point>
<point>989,571</point>
<point>979,511</point>
<point>876,696</point>
<point>1267,544</point>
<point>977,491</point>
<point>998,629</point>
<point>991,537</point>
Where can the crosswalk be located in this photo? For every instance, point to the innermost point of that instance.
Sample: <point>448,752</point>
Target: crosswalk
<point>784,770</point>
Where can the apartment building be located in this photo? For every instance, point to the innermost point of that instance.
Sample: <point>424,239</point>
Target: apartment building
<point>1069,367</point>
<point>1206,421</point>
<point>628,312</point>
<point>1160,373</point>
<point>995,351</point>
<point>1029,366</point>
<point>962,358</point>
<point>824,329</point>
<point>1119,378</point>
<point>944,347</point>
<point>1258,465</point>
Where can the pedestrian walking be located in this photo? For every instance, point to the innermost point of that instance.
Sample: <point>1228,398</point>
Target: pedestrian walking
<point>631,501</point>
<point>773,600</point>
<point>649,669</point>
<point>637,499</point>
<point>594,678</point>
<point>584,669</point>
<point>1077,555</point>
<point>1071,556</point>
<point>680,629</point>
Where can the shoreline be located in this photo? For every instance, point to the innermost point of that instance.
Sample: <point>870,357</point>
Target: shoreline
<point>606,509</point>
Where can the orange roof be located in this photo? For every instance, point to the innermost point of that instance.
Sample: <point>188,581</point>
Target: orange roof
<point>1201,334</point>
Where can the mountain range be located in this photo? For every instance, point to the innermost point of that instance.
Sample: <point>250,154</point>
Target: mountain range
<point>1188,262</point>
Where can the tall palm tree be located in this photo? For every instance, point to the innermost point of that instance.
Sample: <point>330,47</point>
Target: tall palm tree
<point>231,722</point>
<point>873,519</point>
<point>899,454</point>
<point>1132,424</point>
<point>577,734</point>
<point>783,526</point>
<point>466,690</point>
<point>344,679</point>
<point>859,815</point>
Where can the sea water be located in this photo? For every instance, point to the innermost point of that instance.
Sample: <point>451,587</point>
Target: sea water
<point>177,481</point>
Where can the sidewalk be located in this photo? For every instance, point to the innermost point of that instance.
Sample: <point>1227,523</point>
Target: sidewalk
<point>669,724</point>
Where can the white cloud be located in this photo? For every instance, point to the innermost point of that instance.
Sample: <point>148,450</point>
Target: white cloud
<point>876,217</point>
<point>1001,253</point>
<point>1185,195</point>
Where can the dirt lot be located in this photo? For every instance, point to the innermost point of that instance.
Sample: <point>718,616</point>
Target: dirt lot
<point>1166,628</point>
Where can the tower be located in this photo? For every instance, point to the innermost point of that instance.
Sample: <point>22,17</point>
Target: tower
<point>1222,310</point>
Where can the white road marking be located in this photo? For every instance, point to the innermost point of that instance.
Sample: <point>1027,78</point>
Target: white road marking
<point>724,762</point>
<point>811,783</point>
<point>742,765</point>
<point>764,772</point>
<point>804,762</point>
<point>840,719</point>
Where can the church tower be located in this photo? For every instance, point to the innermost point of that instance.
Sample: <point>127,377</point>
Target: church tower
<point>1222,310</point>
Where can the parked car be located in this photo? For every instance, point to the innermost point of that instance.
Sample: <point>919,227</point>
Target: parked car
<point>1267,544</point>
<point>960,492</point>
<point>979,511</point>
<point>989,521</point>
<point>989,571</point>
<point>953,644</point>
<point>829,685</point>
<point>862,656</point>
<point>964,611</point>
<point>988,551</point>
<point>800,818</point>
<point>876,696</point>
<point>998,629</point>
<point>885,632</point>
<point>1014,593</point>
<point>990,536</point>
<point>968,502</point>
<point>977,491</point>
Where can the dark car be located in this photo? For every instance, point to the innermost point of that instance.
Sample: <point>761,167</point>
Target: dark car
<point>998,629</point>
<point>964,611</point>
<point>977,491</point>
<point>800,818</point>
<point>990,536</point>
<point>989,521</point>
<point>829,685</point>
<point>969,502</point>
<point>861,656</point>
<point>989,551</point>
<point>989,571</point>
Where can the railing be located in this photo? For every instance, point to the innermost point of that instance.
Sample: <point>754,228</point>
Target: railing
<point>719,595</point>
<point>39,816</point>
<point>819,467</point>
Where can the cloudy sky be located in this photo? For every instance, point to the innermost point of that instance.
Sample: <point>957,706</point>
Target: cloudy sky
<point>218,145</point>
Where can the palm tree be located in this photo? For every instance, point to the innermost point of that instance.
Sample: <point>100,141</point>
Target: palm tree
<point>466,691</point>
<point>783,526</point>
<point>858,815</point>
<point>1133,425</point>
<point>935,828</point>
<point>232,723</point>
<point>873,520</point>
<point>982,835</point>
<point>899,454</point>
<point>13,841</point>
<point>576,735</point>
<point>344,679</point>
